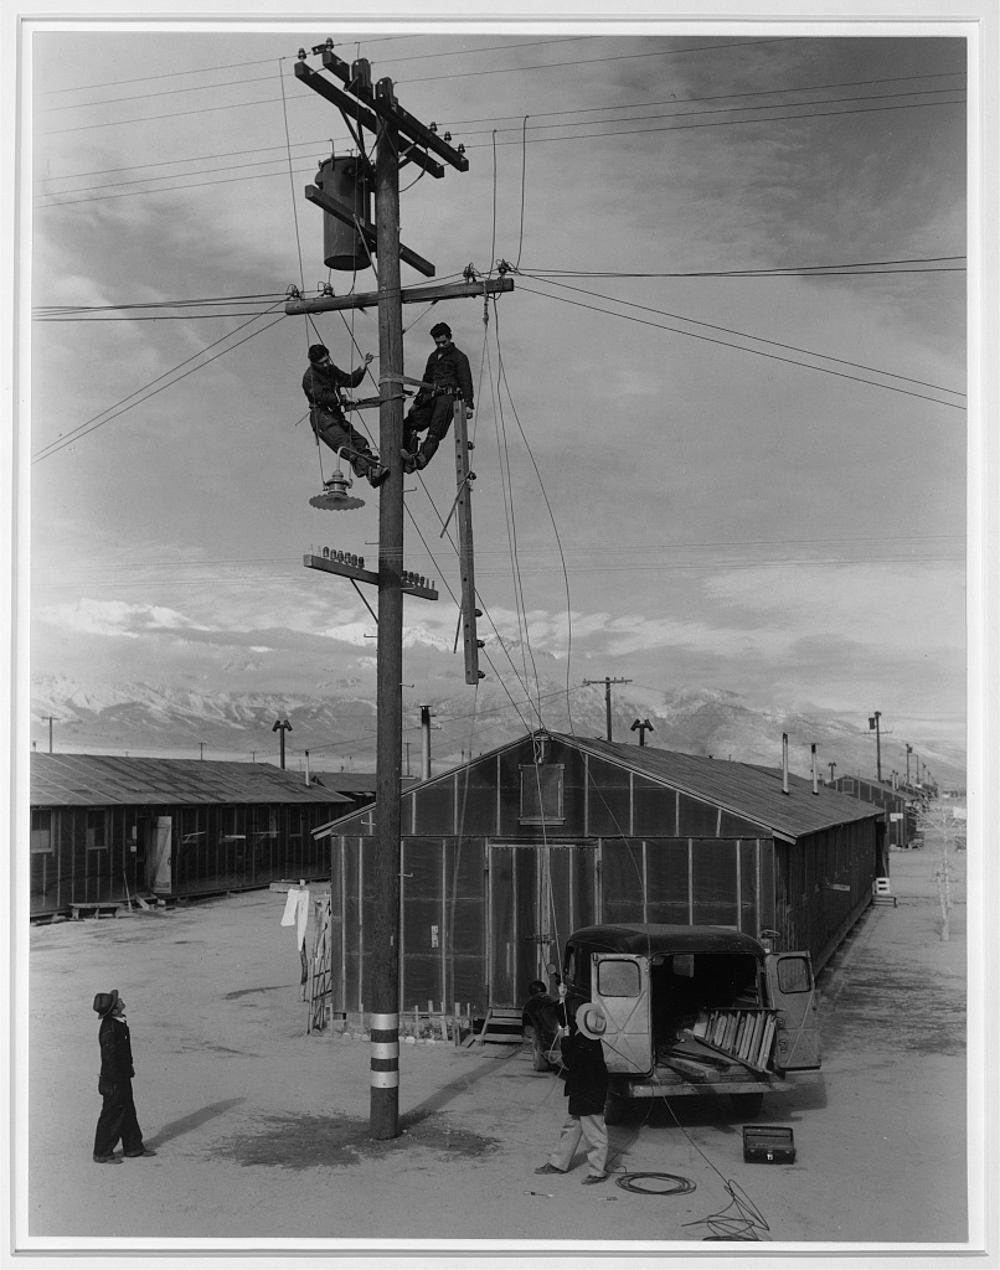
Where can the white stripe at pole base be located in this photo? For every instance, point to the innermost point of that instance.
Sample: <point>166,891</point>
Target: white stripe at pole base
<point>385,1080</point>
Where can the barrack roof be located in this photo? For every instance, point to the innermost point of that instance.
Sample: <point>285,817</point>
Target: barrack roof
<point>104,780</point>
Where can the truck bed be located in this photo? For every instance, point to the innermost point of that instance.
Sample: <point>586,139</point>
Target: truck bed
<point>690,1066</point>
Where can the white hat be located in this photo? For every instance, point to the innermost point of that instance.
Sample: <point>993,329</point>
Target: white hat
<point>591,1021</point>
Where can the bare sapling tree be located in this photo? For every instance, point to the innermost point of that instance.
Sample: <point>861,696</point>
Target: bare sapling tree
<point>939,828</point>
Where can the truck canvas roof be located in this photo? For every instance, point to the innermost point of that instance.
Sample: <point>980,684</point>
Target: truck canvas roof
<point>646,938</point>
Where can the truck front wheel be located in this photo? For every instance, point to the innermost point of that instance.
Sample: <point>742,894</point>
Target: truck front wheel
<point>539,1059</point>
<point>747,1106</point>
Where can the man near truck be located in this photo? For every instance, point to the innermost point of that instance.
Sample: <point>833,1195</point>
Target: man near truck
<point>586,1078</point>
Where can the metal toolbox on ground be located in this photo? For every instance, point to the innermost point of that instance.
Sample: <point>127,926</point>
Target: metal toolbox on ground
<point>768,1144</point>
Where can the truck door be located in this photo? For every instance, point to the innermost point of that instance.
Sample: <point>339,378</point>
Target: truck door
<point>792,992</point>
<point>620,986</point>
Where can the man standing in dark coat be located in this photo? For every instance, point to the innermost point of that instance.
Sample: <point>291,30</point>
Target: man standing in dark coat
<point>118,1118</point>
<point>447,376</point>
<point>586,1078</point>
<point>321,384</point>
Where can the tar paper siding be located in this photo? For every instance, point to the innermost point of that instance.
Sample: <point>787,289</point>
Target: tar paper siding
<point>894,802</point>
<point>480,918</point>
<point>824,883</point>
<point>490,889</point>
<point>90,855</point>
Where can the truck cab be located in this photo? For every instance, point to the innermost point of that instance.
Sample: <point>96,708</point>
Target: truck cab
<point>695,1010</point>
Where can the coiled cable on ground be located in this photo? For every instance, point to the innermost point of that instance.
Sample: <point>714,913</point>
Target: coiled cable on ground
<point>630,1182</point>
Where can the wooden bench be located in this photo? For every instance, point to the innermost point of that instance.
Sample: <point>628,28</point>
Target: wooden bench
<point>96,910</point>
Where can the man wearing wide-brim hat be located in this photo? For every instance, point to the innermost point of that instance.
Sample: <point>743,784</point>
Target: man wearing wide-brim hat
<point>586,1078</point>
<point>118,1120</point>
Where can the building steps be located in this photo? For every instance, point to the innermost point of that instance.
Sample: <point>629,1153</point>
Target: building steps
<point>502,1026</point>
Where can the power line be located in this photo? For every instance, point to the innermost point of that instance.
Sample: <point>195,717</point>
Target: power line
<point>759,338</point>
<point>683,101</point>
<point>47,311</point>
<point>257,79</point>
<point>729,110</point>
<point>458,75</point>
<point>617,57</point>
<point>775,271</point>
<point>97,421</point>
<point>625,548</point>
<point>547,114</point>
<point>740,348</point>
<point>541,569</point>
<point>722,123</point>
<point>475,145</point>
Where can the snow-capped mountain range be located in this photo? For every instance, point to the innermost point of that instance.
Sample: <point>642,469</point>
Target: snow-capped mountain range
<point>337,724</point>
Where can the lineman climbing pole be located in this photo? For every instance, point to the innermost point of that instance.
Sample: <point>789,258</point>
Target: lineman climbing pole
<point>399,139</point>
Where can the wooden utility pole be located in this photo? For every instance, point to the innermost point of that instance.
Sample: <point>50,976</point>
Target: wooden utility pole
<point>384,1111</point>
<point>399,139</point>
<point>873,725</point>
<point>607,695</point>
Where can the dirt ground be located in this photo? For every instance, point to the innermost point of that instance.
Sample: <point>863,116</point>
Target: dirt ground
<point>261,1131</point>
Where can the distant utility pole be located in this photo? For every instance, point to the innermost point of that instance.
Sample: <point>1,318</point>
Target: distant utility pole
<point>833,768</point>
<point>281,726</point>
<point>873,725</point>
<point>425,743</point>
<point>48,718</point>
<point>909,751</point>
<point>607,695</point>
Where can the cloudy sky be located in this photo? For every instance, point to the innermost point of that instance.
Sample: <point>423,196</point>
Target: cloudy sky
<point>722,428</point>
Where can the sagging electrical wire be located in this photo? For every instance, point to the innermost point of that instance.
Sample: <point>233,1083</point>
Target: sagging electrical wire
<point>97,421</point>
<point>755,351</point>
<point>760,339</point>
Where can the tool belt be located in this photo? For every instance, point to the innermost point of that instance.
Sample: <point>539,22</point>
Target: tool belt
<point>320,416</point>
<point>439,390</point>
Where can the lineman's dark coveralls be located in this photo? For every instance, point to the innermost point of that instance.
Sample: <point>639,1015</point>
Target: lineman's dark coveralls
<point>434,408</point>
<point>321,385</point>
<point>118,1119</point>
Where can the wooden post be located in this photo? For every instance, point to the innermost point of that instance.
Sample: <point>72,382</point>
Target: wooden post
<point>384,1106</point>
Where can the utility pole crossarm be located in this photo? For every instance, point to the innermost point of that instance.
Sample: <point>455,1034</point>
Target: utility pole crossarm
<point>386,105</point>
<point>409,295</point>
<point>361,574</point>
<point>314,80</point>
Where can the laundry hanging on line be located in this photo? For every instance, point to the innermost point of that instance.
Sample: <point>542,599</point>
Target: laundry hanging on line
<point>297,912</point>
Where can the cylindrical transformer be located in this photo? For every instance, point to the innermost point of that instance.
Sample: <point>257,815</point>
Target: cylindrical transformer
<point>345,178</point>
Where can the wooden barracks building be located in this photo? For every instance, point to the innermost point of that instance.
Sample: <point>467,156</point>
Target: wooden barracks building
<point>504,856</point>
<point>105,828</point>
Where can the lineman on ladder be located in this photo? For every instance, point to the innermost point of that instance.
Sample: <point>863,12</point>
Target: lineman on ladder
<point>446,377</point>
<point>322,384</point>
